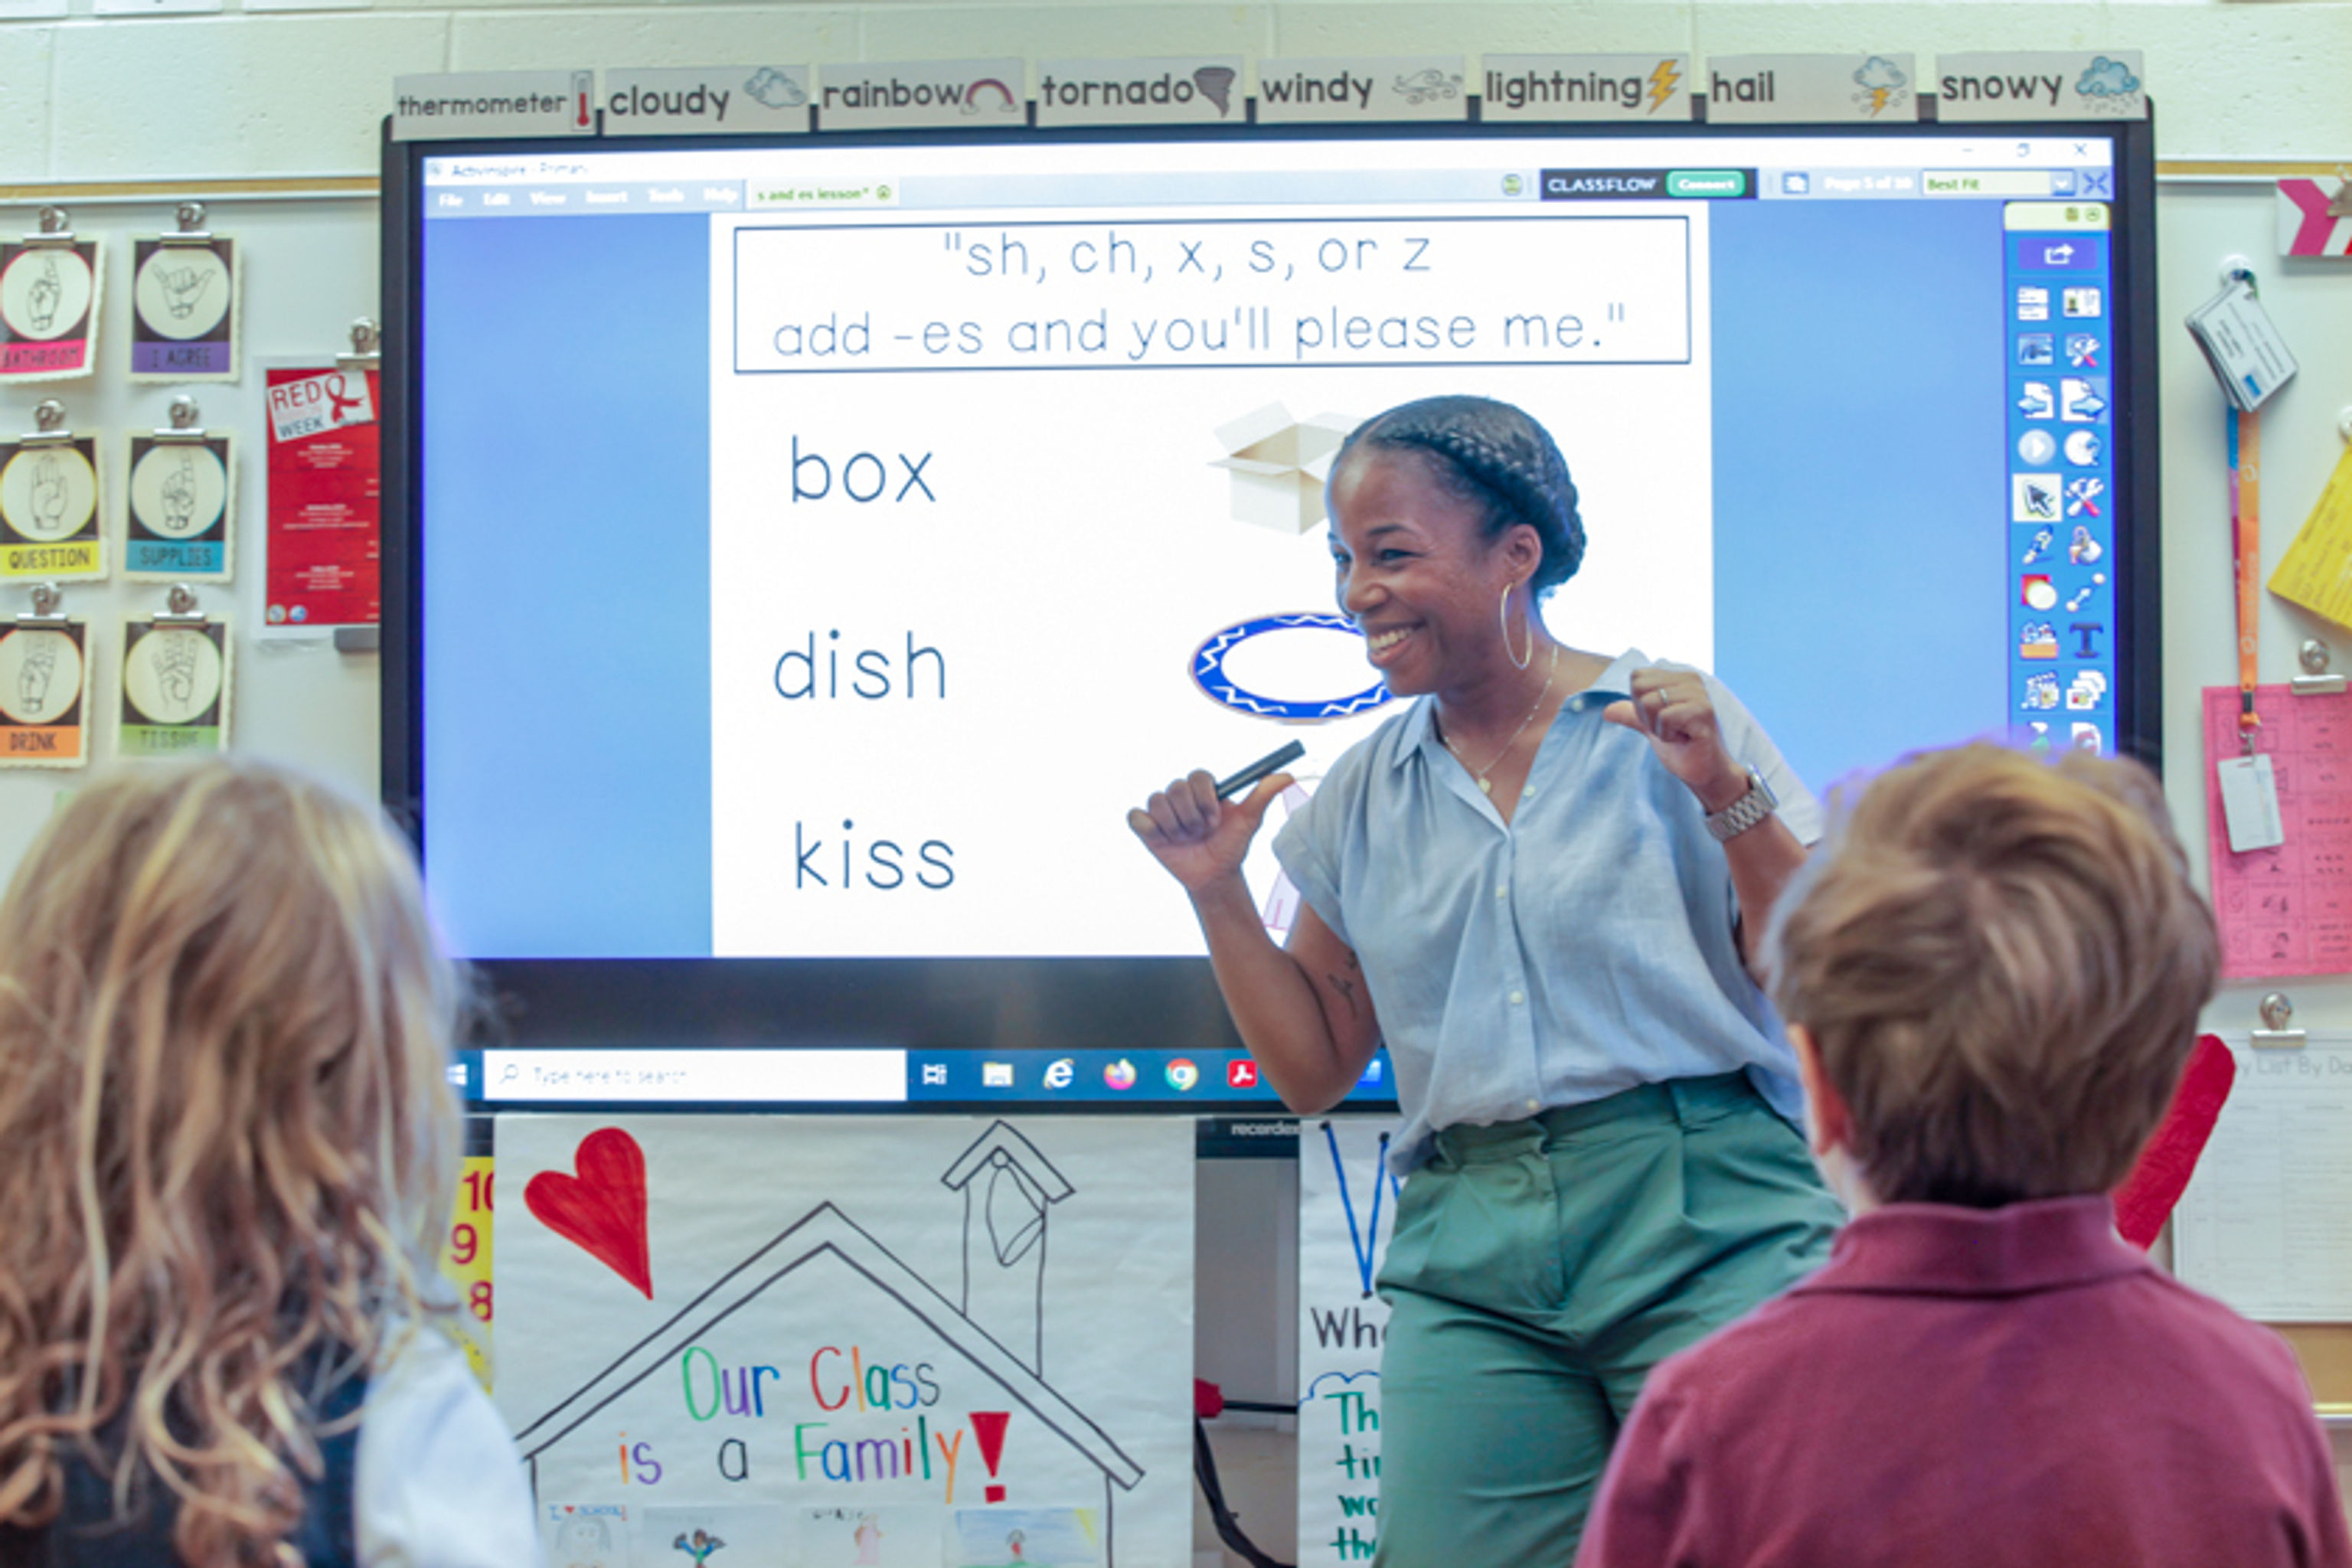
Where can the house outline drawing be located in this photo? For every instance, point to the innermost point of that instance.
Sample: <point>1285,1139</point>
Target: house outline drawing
<point>1016,1172</point>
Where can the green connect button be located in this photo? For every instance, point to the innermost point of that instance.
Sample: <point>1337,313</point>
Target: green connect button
<point>1706,183</point>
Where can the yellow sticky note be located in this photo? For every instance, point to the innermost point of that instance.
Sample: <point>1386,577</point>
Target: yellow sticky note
<point>466,1261</point>
<point>2316,572</point>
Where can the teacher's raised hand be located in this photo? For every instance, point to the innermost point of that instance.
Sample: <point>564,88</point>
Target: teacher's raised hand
<point>1673,709</point>
<point>1202,839</point>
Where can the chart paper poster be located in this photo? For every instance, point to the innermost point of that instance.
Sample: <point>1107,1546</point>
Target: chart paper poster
<point>2263,1224</point>
<point>48,310</point>
<point>2285,909</point>
<point>1347,1208</point>
<point>940,1343</point>
<point>325,506</point>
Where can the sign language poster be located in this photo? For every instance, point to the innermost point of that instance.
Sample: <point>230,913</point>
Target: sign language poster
<point>1347,1207</point>
<point>942,1342</point>
<point>183,317</point>
<point>49,310</point>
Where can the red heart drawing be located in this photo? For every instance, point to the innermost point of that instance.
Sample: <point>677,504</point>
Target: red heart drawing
<point>603,1209</point>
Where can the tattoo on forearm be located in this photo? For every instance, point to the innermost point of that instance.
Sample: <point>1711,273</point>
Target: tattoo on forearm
<point>1347,990</point>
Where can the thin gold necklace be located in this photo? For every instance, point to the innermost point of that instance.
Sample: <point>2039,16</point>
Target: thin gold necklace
<point>1486,784</point>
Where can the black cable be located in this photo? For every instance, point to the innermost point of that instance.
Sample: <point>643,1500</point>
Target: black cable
<point>1229,1529</point>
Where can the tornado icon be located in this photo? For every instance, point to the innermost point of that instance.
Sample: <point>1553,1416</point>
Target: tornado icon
<point>1217,84</point>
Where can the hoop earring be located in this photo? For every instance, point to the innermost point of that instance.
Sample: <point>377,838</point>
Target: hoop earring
<point>1503,611</point>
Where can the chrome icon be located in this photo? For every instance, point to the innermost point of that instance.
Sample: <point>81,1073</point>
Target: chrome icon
<point>1182,1075</point>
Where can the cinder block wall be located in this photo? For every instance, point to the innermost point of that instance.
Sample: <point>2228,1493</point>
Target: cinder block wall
<point>243,94</point>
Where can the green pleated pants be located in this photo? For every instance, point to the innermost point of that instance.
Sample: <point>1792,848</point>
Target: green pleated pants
<point>1538,1271</point>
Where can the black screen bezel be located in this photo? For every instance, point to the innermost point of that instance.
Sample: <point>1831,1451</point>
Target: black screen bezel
<point>1084,1004</point>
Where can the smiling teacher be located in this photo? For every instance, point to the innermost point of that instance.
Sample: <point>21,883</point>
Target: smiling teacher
<point>1543,905</point>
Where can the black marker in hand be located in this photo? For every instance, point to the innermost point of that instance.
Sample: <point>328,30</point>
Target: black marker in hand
<point>1290,752</point>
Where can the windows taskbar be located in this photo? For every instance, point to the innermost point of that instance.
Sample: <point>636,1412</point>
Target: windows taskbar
<point>518,1078</point>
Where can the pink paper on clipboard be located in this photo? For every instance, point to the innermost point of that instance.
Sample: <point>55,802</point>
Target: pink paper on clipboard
<point>2288,909</point>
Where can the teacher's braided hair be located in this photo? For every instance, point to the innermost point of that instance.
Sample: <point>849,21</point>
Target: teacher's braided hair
<point>1495,457</point>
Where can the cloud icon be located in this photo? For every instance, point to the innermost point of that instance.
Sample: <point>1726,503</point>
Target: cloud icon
<point>2107,79</point>
<point>1217,84</point>
<point>1879,73</point>
<point>774,89</point>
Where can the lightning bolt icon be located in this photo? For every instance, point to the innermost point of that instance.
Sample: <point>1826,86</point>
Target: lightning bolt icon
<point>1662,82</point>
<point>1878,98</point>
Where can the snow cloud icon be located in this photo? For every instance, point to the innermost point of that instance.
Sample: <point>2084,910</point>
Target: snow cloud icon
<point>2107,79</point>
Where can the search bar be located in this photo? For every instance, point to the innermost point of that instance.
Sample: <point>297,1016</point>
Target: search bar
<point>1985,181</point>
<point>746,1075</point>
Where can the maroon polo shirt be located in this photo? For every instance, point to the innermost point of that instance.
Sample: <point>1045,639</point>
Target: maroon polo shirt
<point>1976,1388</point>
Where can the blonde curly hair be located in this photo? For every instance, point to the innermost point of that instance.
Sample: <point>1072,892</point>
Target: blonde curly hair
<point>231,1142</point>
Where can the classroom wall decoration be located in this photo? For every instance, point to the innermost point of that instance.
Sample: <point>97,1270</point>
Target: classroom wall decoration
<point>176,685</point>
<point>322,554</point>
<point>48,304</point>
<point>2314,220</point>
<point>184,316</point>
<point>49,503</point>
<point>181,508</point>
<point>44,690</point>
<point>1347,1208</point>
<point>943,1342</point>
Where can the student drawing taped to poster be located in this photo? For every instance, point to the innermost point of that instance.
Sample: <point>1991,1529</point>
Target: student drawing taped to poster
<point>880,1328</point>
<point>1347,1210</point>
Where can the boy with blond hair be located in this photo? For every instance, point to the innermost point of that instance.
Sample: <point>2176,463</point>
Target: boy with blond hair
<point>1992,974</point>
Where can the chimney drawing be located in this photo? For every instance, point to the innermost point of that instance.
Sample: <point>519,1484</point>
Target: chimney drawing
<point>1008,1189</point>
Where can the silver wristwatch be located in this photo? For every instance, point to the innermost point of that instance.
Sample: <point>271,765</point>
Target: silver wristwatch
<point>1744,813</point>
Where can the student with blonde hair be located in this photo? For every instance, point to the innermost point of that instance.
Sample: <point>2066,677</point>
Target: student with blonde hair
<point>1992,974</point>
<point>228,1147</point>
